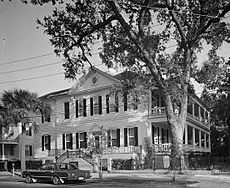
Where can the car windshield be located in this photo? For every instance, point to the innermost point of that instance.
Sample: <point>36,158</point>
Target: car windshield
<point>66,166</point>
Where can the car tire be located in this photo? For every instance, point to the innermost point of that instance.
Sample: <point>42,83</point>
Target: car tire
<point>28,179</point>
<point>56,180</point>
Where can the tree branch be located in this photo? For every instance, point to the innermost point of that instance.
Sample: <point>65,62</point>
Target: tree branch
<point>211,20</point>
<point>178,25</point>
<point>141,18</point>
<point>133,37</point>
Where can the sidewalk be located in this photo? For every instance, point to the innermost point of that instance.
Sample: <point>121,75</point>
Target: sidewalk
<point>193,179</point>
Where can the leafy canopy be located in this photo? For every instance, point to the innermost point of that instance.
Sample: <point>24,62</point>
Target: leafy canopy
<point>135,34</point>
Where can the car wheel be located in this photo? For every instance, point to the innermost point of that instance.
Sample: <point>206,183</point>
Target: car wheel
<point>56,180</point>
<point>28,179</point>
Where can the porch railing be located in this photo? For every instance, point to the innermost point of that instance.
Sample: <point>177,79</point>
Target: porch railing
<point>166,147</point>
<point>75,154</point>
<point>158,111</point>
<point>119,150</point>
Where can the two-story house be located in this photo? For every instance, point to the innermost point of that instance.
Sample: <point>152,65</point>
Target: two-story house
<point>91,106</point>
<point>15,146</point>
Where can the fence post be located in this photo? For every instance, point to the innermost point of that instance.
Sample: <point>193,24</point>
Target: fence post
<point>13,169</point>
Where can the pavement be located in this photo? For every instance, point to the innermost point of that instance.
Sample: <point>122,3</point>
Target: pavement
<point>203,179</point>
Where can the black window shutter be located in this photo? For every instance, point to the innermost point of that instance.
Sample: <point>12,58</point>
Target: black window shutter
<point>107,104</point>
<point>63,141</point>
<point>77,141</point>
<point>49,140</point>
<point>118,137</point>
<point>136,136</point>
<point>84,108</point>
<point>76,108</point>
<point>91,106</point>
<point>31,152</point>
<point>100,104</point>
<point>125,137</point>
<point>85,139</point>
<point>125,102</point>
<point>71,141</point>
<point>153,133</point>
<point>43,142</point>
<point>66,107</point>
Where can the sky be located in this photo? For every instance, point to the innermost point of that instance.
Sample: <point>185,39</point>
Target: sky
<point>27,60</point>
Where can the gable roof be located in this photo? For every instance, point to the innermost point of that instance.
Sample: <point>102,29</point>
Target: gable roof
<point>91,71</point>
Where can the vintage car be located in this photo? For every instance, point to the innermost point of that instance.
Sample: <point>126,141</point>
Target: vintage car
<point>57,173</point>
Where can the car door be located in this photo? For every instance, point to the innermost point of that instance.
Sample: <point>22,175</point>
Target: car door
<point>44,172</point>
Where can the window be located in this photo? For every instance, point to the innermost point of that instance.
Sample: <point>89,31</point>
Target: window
<point>46,142</point>
<point>11,148</point>
<point>164,135</point>
<point>66,109</point>
<point>207,140</point>
<point>29,131</point>
<point>114,106</point>
<point>81,108</point>
<point>196,109</point>
<point>95,105</point>
<point>190,135</point>
<point>197,137</point>
<point>69,141</point>
<point>28,150</point>
<point>202,139</point>
<point>202,113</point>
<point>131,136</point>
<point>155,99</point>
<point>190,106</point>
<point>82,139</point>
<point>45,117</point>
<point>114,137</point>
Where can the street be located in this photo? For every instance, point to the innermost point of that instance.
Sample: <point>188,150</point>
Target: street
<point>122,180</point>
<point>105,184</point>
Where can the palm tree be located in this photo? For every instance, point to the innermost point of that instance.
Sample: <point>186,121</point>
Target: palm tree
<point>19,107</point>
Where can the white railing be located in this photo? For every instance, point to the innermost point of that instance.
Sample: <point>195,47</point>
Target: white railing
<point>158,111</point>
<point>166,147</point>
<point>118,150</point>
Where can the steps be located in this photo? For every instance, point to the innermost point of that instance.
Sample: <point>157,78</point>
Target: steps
<point>84,160</point>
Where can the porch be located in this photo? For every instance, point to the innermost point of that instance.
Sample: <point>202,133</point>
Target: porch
<point>7,150</point>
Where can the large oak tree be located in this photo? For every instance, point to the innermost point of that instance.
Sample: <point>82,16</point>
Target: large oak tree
<point>135,35</point>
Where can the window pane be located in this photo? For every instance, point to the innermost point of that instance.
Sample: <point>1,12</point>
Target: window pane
<point>131,132</point>
<point>197,138</point>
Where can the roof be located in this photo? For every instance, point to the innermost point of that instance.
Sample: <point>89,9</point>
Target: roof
<point>54,94</point>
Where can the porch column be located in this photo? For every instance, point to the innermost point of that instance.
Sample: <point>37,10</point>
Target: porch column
<point>200,138</point>
<point>186,134</point>
<point>209,142</point>
<point>3,151</point>
<point>193,136</point>
<point>205,140</point>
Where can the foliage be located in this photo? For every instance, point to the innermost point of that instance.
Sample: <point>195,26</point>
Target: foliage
<point>18,106</point>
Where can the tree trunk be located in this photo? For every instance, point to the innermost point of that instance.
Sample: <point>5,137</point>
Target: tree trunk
<point>23,157</point>
<point>177,152</point>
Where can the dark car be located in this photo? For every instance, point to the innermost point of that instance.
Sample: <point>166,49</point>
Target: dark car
<point>57,173</point>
